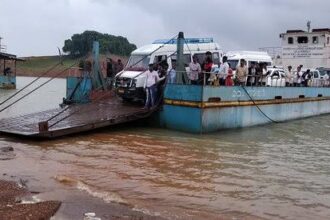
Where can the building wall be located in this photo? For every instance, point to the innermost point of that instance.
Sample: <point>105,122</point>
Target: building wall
<point>311,54</point>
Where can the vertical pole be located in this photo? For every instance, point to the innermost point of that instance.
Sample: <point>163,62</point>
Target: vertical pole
<point>98,81</point>
<point>181,70</point>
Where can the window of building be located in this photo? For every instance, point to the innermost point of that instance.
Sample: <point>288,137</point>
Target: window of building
<point>290,40</point>
<point>315,40</point>
<point>302,40</point>
<point>328,40</point>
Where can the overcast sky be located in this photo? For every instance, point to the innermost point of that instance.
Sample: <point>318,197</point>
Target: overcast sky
<point>38,27</point>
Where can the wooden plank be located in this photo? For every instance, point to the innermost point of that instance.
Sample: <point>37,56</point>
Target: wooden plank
<point>81,118</point>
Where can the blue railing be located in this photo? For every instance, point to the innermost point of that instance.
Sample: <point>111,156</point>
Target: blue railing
<point>187,40</point>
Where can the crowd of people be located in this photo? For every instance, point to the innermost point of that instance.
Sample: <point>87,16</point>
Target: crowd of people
<point>207,73</point>
<point>300,78</point>
<point>255,75</point>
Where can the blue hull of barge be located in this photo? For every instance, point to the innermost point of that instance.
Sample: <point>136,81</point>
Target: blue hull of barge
<point>199,109</point>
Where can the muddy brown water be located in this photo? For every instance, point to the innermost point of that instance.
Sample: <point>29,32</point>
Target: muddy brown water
<point>277,171</point>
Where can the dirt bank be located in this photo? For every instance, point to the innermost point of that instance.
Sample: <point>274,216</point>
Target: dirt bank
<point>16,202</point>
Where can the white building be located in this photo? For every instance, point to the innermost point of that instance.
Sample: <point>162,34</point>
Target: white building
<point>310,49</point>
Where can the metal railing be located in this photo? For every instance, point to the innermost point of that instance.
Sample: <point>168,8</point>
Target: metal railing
<point>257,81</point>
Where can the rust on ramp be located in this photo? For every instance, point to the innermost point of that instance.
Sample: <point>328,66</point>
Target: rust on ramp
<point>76,119</point>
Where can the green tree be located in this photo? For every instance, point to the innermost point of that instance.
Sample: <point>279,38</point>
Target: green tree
<point>81,44</point>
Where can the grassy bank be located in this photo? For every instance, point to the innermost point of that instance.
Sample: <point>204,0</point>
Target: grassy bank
<point>34,66</point>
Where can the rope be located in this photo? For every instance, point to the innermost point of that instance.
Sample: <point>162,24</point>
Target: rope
<point>19,91</point>
<point>99,99</point>
<point>65,109</point>
<point>262,112</point>
<point>55,123</point>
<point>38,87</point>
<point>147,55</point>
<point>70,106</point>
<point>155,63</point>
<point>185,40</point>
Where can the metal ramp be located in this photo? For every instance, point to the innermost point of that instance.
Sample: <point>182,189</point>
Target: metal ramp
<point>78,118</point>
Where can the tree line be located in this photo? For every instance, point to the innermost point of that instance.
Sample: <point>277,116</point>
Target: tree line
<point>81,44</point>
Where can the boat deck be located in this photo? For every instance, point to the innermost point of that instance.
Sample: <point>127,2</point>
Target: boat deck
<point>76,119</point>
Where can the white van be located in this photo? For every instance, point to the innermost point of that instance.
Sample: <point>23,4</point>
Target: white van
<point>234,58</point>
<point>129,83</point>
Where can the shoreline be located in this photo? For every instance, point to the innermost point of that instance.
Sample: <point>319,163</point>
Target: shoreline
<point>18,201</point>
<point>27,190</point>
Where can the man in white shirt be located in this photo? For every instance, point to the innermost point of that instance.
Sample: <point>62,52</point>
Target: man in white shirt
<point>171,76</point>
<point>195,70</point>
<point>299,77</point>
<point>289,77</point>
<point>150,85</point>
<point>223,71</point>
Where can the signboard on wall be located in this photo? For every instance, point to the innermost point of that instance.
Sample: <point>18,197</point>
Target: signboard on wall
<point>302,51</point>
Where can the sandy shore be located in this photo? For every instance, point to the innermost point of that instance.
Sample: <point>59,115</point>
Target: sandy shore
<point>33,194</point>
<point>16,202</point>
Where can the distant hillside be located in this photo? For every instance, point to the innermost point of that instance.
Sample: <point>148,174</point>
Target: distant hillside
<point>35,66</point>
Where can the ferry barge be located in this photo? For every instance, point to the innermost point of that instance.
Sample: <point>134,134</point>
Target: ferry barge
<point>182,106</point>
<point>203,108</point>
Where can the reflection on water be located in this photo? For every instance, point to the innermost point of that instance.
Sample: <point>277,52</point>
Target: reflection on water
<point>277,171</point>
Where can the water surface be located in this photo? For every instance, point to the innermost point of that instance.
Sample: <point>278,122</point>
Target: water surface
<point>278,171</point>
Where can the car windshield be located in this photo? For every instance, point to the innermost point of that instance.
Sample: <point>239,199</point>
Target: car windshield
<point>233,64</point>
<point>138,63</point>
<point>322,72</point>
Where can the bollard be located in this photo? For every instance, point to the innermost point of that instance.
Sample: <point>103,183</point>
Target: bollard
<point>43,126</point>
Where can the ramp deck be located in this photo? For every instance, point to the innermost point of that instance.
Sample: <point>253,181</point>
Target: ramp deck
<point>77,118</point>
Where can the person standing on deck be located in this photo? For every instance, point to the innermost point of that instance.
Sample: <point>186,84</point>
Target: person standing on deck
<point>229,79</point>
<point>171,76</point>
<point>110,72</point>
<point>252,74</point>
<point>119,66</point>
<point>223,71</point>
<point>241,73</point>
<point>289,77</point>
<point>299,77</point>
<point>194,71</point>
<point>258,74</point>
<point>110,69</point>
<point>307,77</point>
<point>150,85</point>
<point>205,67</point>
<point>264,74</point>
